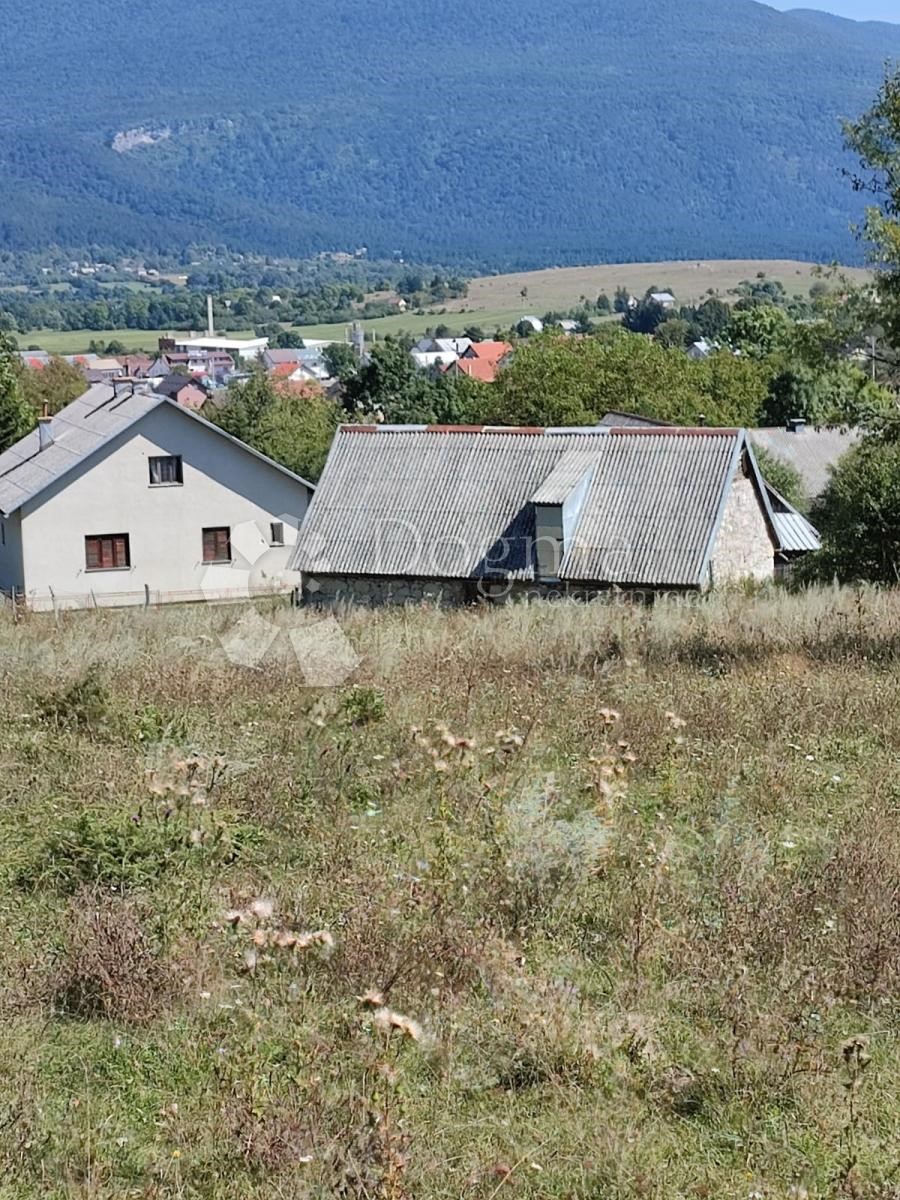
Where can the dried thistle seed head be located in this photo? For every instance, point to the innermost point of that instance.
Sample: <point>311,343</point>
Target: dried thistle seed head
<point>262,909</point>
<point>371,998</point>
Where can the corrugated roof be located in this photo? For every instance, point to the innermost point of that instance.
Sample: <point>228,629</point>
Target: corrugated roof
<point>80,429</point>
<point>457,504</point>
<point>624,420</point>
<point>811,452</point>
<point>795,534</point>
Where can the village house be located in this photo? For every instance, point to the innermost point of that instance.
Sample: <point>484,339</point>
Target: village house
<point>183,389</point>
<point>482,360</point>
<point>125,497</point>
<point>406,513</point>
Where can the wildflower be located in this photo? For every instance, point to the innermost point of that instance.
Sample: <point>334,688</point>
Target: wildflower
<point>260,937</point>
<point>609,716</point>
<point>250,960</point>
<point>675,721</point>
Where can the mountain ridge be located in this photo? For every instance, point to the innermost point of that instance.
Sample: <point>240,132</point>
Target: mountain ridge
<point>498,134</point>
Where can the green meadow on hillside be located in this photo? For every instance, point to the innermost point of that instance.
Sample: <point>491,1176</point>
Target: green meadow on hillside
<point>549,901</point>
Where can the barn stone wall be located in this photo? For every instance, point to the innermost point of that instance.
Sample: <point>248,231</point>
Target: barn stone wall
<point>744,548</point>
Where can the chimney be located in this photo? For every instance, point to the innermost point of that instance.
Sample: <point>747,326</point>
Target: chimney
<point>796,425</point>
<point>45,428</point>
<point>209,317</point>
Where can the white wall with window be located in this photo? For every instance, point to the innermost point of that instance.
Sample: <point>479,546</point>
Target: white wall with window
<point>171,507</point>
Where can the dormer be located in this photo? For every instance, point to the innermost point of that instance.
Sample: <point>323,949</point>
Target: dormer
<point>558,504</point>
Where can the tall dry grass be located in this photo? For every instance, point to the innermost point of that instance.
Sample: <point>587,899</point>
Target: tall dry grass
<point>551,900</point>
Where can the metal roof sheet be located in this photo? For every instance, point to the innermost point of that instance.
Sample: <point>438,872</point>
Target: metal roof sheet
<point>795,534</point>
<point>457,504</point>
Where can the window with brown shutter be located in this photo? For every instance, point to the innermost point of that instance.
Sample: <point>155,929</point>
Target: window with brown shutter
<point>107,552</point>
<point>217,544</point>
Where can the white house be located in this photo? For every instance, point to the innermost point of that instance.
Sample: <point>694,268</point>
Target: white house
<point>126,497</point>
<point>666,299</point>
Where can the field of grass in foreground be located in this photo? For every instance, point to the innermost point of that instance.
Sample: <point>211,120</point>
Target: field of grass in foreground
<point>550,901</point>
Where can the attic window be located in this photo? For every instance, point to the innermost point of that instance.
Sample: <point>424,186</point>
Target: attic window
<point>166,470</point>
<point>277,533</point>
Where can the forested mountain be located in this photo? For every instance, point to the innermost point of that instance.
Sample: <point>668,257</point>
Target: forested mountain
<point>488,132</point>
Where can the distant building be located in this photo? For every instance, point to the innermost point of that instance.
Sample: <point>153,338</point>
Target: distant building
<point>666,299</point>
<point>243,348</point>
<point>534,323</point>
<point>183,389</point>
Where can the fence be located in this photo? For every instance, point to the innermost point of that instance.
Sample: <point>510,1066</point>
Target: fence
<point>146,597</point>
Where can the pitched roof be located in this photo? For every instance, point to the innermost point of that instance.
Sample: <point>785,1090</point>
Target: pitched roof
<point>80,429</point>
<point>492,351</point>
<point>811,452</point>
<point>459,503</point>
<point>622,420</point>
<point>484,369</point>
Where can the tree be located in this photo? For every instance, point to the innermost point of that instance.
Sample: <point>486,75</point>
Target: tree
<point>645,317</point>
<point>553,381</point>
<point>836,393</point>
<point>784,478</point>
<point>293,426</point>
<point>620,304</point>
<point>287,339</point>
<point>340,360</point>
<point>17,416</point>
<point>57,384</point>
<point>858,514</point>
<point>875,138</point>
<point>603,305</point>
<point>759,331</point>
<point>673,332</point>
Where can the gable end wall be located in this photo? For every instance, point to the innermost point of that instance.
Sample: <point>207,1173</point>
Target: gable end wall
<point>743,548</point>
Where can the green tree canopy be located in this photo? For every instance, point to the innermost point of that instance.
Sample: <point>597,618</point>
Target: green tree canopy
<point>759,331</point>
<point>16,414</point>
<point>784,478</point>
<point>556,381</point>
<point>293,428</point>
<point>858,514</point>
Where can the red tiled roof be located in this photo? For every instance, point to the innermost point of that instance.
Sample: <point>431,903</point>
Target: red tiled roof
<point>489,351</point>
<point>483,369</point>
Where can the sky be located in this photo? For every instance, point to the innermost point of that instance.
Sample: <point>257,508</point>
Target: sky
<point>859,10</point>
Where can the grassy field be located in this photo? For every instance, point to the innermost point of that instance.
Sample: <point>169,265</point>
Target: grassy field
<point>689,282</point>
<point>496,302</point>
<point>552,902</point>
<point>77,341</point>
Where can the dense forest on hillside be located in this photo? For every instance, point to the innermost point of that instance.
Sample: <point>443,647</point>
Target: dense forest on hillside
<point>510,134</point>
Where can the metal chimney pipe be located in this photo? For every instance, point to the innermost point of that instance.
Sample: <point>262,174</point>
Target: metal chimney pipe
<point>45,428</point>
